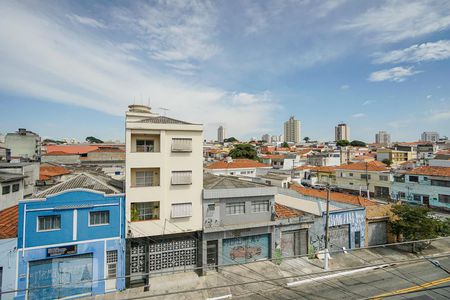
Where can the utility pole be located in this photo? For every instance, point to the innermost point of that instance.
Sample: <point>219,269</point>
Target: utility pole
<point>367,181</point>
<point>326,228</point>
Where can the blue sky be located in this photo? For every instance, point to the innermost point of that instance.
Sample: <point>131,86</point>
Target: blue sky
<point>70,68</point>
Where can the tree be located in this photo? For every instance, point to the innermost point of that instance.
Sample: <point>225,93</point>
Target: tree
<point>342,143</point>
<point>306,139</point>
<point>356,143</point>
<point>285,145</point>
<point>387,162</point>
<point>243,151</point>
<point>414,223</point>
<point>93,140</point>
<point>230,140</point>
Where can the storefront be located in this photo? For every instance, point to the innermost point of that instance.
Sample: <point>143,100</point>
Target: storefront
<point>246,249</point>
<point>294,242</point>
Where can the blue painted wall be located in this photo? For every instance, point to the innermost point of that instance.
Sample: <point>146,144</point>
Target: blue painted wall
<point>91,240</point>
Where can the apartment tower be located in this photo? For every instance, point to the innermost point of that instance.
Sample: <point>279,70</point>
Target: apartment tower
<point>383,138</point>
<point>341,132</point>
<point>221,135</point>
<point>292,131</point>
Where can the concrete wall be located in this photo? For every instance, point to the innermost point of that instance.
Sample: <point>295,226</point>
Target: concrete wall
<point>72,159</point>
<point>8,261</point>
<point>12,198</point>
<point>23,145</point>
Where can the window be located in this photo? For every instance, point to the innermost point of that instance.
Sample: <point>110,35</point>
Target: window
<point>350,183</point>
<point>6,189</point>
<point>443,183</point>
<point>384,178</point>
<point>49,223</point>
<point>181,210</point>
<point>235,208</point>
<point>145,146</point>
<point>144,211</point>
<point>117,173</point>
<point>260,206</point>
<point>182,145</point>
<point>413,178</point>
<point>210,210</point>
<point>15,187</point>
<point>444,198</point>
<point>365,176</point>
<point>417,197</point>
<point>400,178</point>
<point>401,195</point>
<point>357,239</point>
<point>98,218</point>
<point>182,177</point>
<point>144,178</point>
<point>111,261</point>
<point>350,174</point>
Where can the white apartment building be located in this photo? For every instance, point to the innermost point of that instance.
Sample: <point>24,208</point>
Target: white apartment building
<point>292,130</point>
<point>221,134</point>
<point>24,144</point>
<point>429,136</point>
<point>341,132</point>
<point>382,138</point>
<point>164,182</point>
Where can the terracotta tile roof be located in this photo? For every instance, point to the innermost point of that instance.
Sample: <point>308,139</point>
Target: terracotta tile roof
<point>71,149</point>
<point>8,222</point>
<point>48,171</point>
<point>300,168</point>
<point>325,169</point>
<point>334,196</point>
<point>361,166</point>
<point>285,212</point>
<point>431,171</point>
<point>303,151</point>
<point>237,164</point>
<point>274,156</point>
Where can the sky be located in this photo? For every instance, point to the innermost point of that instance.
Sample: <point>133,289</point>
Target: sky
<point>71,68</point>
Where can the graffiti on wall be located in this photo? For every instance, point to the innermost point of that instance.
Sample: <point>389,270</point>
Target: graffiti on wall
<point>243,249</point>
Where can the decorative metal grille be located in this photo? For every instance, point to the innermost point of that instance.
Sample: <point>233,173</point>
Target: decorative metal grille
<point>173,254</point>
<point>138,258</point>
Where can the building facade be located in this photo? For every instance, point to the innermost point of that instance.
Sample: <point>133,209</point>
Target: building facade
<point>24,144</point>
<point>430,136</point>
<point>395,156</point>
<point>8,252</point>
<point>292,130</point>
<point>221,134</point>
<point>383,138</point>
<point>11,189</point>
<point>71,241</point>
<point>341,132</point>
<point>164,181</point>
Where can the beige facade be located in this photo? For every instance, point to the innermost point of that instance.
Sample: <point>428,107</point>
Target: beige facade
<point>292,130</point>
<point>396,156</point>
<point>341,132</point>
<point>164,174</point>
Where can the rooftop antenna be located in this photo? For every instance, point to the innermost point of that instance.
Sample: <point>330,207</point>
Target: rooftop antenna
<point>164,110</point>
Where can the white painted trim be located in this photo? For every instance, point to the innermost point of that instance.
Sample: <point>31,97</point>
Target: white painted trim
<point>75,224</point>
<point>96,225</point>
<point>47,230</point>
<point>72,190</point>
<point>70,243</point>
<point>56,208</point>
<point>229,296</point>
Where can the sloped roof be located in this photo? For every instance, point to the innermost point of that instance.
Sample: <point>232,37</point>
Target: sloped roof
<point>8,177</point>
<point>81,181</point>
<point>285,212</point>
<point>8,222</point>
<point>227,182</point>
<point>361,166</point>
<point>48,171</point>
<point>70,149</point>
<point>164,120</point>
<point>431,171</point>
<point>334,196</point>
<point>237,164</point>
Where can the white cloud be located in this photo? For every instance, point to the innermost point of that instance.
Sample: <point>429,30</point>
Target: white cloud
<point>429,96</point>
<point>359,115</point>
<point>86,21</point>
<point>66,67</point>
<point>367,102</point>
<point>417,53</point>
<point>394,21</point>
<point>345,87</point>
<point>441,115</point>
<point>397,74</point>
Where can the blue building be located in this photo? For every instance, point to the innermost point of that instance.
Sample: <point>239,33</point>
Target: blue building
<point>71,240</point>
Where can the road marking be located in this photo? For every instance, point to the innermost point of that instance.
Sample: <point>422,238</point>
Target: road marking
<point>413,288</point>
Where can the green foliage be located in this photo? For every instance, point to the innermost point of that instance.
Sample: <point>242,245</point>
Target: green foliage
<point>277,257</point>
<point>387,162</point>
<point>311,251</point>
<point>342,143</point>
<point>356,143</point>
<point>415,223</point>
<point>285,145</point>
<point>94,140</point>
<point>306,139</point>
<point>243,151</point>
<point>53,141</point>
<point>230,140</point>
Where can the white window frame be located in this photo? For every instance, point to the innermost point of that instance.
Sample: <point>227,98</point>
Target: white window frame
<point>100,224</point>
<point>151,211</point>
<point>112,257</point>
<point>147,146</point>
<point>187,147</point>
<point>233,206</point>
<point>46,230</point>
<point>146,173</point>
<point>260,203</point>
<point>181,177</point>
<point>184,213</point>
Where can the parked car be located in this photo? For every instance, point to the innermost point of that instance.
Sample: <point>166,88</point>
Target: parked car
<point>243,252</point>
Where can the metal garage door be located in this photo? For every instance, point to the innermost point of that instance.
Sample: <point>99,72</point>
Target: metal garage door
<point>245,249</point>
<point>339,237</point>
<point>60,277</point>
<point>377,233</point>
<point>294,243</point>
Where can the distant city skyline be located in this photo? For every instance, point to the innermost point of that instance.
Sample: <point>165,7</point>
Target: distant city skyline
<point>233,64</point>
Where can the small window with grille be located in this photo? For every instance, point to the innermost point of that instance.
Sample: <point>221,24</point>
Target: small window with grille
<point>111,261</point>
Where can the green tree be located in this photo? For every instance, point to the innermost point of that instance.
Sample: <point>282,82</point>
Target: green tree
<point>93,140</point>
<point>243,151</point>
<point>387,162</point>
<point>342,143</point>
<point>230,140</point>
<point>306,139</point>
<point>415,223</point>
<point>356,143</point>
<point>285,145</point>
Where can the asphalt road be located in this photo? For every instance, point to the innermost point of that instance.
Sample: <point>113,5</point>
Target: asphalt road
<point>419,280</point>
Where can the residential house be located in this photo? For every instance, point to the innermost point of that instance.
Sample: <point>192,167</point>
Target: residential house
<point>24,145</point>
<point>247,167</point>
<point>11,189</point>
<point>8,252</point>
<point>71,240</point>
<point>30,171</point>
<point>275,179</point>
<point>396,156</point>
<point>325,158</point>
<point>164,182</point>
<point>426,185</point>
<point>373,176</point>
<point>51,174</point>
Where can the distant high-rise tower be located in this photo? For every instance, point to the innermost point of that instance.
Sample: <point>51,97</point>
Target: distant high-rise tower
<point>430,136</point>
<point>221,136</point>
<point>266,137</point>
<point>383,138</point>
<point>292,131</point>
<point>341,132</point>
